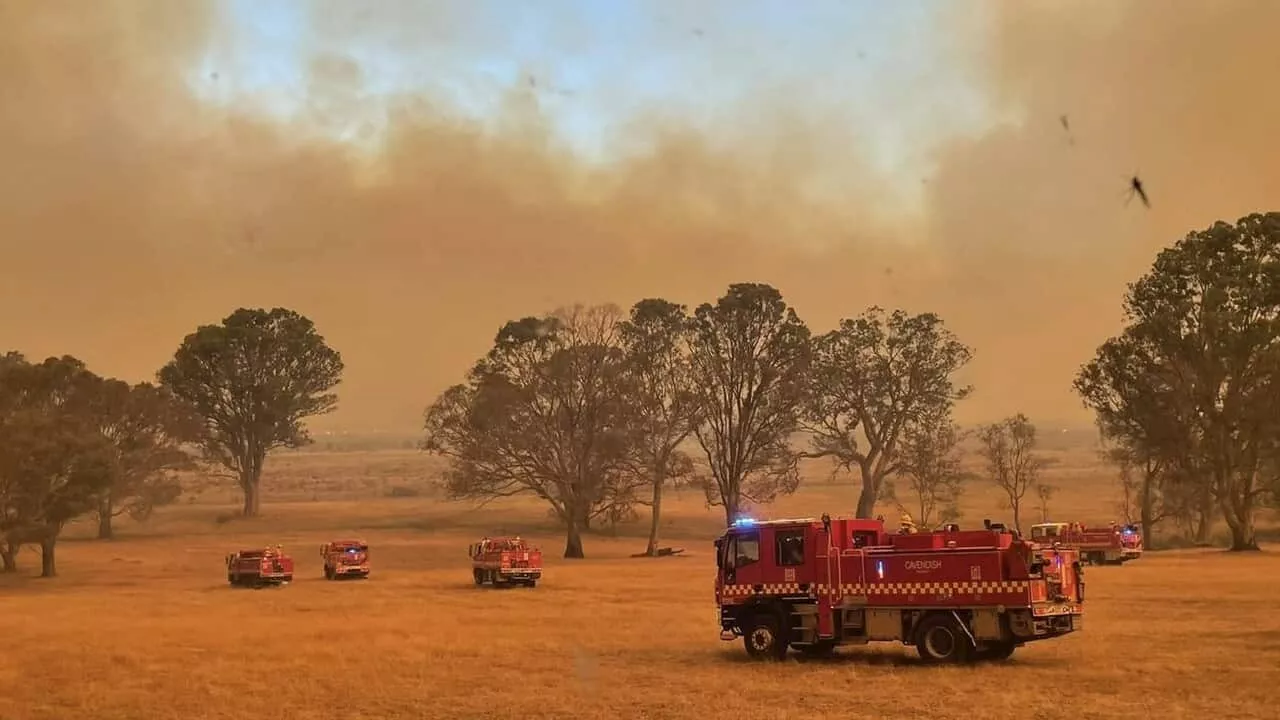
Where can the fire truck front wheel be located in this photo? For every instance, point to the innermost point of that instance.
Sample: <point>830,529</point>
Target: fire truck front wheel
<point>940,640</point>
<point>763,637</point>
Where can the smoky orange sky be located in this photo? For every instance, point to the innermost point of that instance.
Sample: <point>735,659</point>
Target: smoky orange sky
<point>130,211</point>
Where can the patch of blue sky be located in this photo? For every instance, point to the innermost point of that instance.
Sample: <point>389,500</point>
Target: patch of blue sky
<point>882,65</point>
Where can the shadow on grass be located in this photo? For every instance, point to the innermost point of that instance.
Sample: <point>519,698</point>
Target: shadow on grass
<point>856,657</point>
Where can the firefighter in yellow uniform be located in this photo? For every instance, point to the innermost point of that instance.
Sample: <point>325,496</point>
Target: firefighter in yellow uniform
<point>908,525</point>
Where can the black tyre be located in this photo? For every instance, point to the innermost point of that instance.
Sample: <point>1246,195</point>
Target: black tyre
<point>940,639</point>
<point>479,575</point>
<point>531,583</point>
<point>328,573</point>
<point>764,638</point>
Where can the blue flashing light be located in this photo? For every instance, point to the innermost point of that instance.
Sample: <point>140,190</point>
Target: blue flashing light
<point>744,522</point>
<point>880,569</point>
<point>1127,531</point>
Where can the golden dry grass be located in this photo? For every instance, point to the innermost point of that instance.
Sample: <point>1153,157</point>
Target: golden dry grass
<point>145,627</point>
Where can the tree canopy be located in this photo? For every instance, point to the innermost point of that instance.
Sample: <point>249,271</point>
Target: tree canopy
<point>873,379</point>
<point>253,380</point>
<point>146,428</point>
<point>546,413</point>
<point>665,409</point>
<point>1194,379</point>
<point>750,355</point>
<point>53,460</point>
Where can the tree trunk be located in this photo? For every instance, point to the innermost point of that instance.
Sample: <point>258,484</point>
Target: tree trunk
<point>655,518</point>
<point>1244,537</point>
<point>731,505</point>
<point>105,510</point>
<point>252,501</point>
<point>9,554</point>
<point>867,499</point>
<point>1016,506</point>
<point>1204,515</point>
<point>871,491</point>
<point>1238,511</point>
<point>48,564</point>
<point>1147,511</point>
<point>573,539</point>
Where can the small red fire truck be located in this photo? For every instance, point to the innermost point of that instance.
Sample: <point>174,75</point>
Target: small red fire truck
<point>505,561</point>
<point>955,595</point>
<point>345,559</point>
<point>259,567</point>
<point>1113,545</point>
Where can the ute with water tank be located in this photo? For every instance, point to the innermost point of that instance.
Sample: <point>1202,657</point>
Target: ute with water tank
<point>955,595</point>
<point>259,567</point>
<point>505,561</point>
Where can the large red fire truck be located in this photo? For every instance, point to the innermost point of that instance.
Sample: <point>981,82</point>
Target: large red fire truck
<point>1113,545</point>
<point>955,595</point>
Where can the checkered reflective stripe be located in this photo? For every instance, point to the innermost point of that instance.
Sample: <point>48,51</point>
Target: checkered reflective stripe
<point>932,588</point>
<point>888,588</point>
<point>767,589</point>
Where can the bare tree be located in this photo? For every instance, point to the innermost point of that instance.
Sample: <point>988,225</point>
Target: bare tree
<point>544,413</point>
<point>665,407</point>
<point>749,357</point>
<point>872,379</point>
<point>1012,464</point>
<point>1044,493</point>
<point>931,464</point>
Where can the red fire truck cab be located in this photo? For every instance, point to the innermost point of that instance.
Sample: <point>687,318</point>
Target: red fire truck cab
<point>955,595</point>
<point>345,559</point>
<point>1113,545</point>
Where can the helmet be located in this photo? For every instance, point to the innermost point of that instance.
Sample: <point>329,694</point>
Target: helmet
<point>906,519</point>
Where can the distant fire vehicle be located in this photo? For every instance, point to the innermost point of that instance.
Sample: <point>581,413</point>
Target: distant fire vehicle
<point>505,561</point>
<point>957,596</point>
<point>259,568</point>
<point>1113,545</point>
<point>345,559</point>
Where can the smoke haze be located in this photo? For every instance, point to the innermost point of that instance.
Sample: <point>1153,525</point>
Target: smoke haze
<point>132,210</point>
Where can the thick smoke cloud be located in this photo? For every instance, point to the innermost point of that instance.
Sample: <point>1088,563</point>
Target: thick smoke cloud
<point>130,210</point>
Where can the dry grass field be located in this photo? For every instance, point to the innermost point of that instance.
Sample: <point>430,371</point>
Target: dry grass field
<point>145,627</point>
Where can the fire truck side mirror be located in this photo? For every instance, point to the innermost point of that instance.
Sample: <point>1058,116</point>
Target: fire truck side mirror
<point>471,551</point>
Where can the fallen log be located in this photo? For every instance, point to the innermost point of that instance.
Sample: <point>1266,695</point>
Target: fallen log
<point>662,552</point>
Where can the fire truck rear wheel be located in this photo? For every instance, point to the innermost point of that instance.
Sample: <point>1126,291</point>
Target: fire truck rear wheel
<point>939,640</point>
<point>763,637</point>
